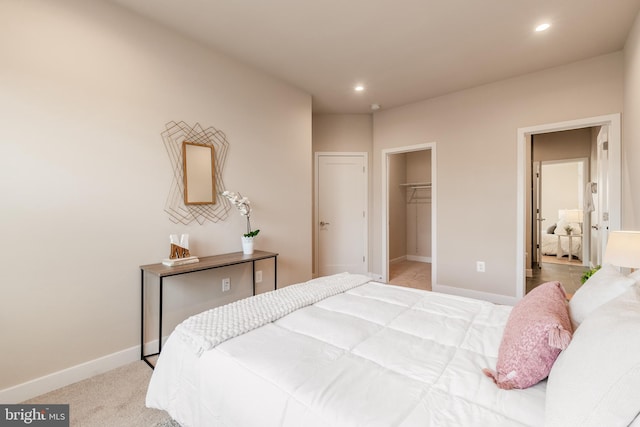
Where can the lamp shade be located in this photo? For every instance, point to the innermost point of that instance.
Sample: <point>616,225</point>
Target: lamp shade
<point>623,249</point>
<point>572,215</point>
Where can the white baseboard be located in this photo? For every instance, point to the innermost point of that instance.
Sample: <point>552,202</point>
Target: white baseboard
<point>374,276</point>
<point>399,259</point>
<point>494,298</point>
<point>418,258</point>
<point>36,387</point>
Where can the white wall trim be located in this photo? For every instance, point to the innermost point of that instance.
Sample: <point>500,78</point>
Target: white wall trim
<point>374,276</point>
<point>486,296</point>
<point>385,204</point>
<point>418,258</point>
<point>36,387</point>
<point>615,183</point>
<point>399,259</point>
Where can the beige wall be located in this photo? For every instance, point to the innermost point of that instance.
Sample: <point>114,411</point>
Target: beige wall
<point>559,190</point>
<point>631,131</point>
<point>570,144</point>
<point>342,132</point>
<point>475,133</point>
<point>87,88</point>
<point>397,173</point>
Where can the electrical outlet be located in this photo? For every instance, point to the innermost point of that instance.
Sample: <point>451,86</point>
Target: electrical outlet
<point>226,284</point>
<point>480,266</point>
<point>259,276</point>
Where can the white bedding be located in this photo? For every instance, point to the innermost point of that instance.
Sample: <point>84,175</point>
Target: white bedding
<point>375,355</point>
<point>212,327</point>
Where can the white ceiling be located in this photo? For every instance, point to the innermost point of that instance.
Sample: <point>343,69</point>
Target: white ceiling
<point>401,50</point>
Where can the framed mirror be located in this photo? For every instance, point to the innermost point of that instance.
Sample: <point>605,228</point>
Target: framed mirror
<point>198,174</point>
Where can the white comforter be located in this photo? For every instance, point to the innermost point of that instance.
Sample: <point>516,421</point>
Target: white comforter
<point>375,355</point>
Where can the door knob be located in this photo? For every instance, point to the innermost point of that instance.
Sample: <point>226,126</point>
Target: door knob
<point>322,223</point>
<point>595,227</point>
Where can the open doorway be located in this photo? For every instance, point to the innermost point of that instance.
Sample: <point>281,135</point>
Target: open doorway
<point>409,216</point>
<point>561,235</point>
<point>560,220</point>
<point>604,175</point>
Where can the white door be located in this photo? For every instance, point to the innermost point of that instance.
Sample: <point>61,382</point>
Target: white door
<point>341,220</point>
<point>600,226</point>
<point>537,215</point>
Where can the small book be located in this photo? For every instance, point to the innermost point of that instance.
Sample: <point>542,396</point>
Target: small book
<point>180,261</point>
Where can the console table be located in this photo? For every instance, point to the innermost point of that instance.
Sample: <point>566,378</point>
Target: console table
<point>206,263</point>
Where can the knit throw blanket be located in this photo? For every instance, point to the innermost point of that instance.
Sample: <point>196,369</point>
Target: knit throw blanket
<point>206,330</point>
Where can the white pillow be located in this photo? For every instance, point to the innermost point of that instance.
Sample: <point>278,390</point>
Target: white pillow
<point>604,285</point>
<point>635,276</point>
<point>595,381</point>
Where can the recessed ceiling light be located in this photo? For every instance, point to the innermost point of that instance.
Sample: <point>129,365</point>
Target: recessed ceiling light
<point>543,27</point>
<point>358,88</point>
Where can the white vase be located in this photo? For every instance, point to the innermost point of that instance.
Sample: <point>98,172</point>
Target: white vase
<point>247,245</point>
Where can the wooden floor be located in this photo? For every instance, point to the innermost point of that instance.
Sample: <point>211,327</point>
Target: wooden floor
<point>411,274</point>
<point>552,259</point>
<point>566,273</point>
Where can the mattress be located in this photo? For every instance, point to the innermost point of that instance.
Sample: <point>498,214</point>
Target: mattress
<point>374,355</point>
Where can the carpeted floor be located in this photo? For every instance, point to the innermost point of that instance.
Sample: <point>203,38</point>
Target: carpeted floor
<point>168,423</point>
<point>113,399</point>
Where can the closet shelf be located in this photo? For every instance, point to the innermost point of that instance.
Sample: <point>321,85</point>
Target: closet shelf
<point>416,185</point>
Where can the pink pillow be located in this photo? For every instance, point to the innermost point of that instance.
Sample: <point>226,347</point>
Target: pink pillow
<point>537,330</point>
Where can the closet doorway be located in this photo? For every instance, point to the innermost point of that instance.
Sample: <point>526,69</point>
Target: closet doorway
<point>409,216</point>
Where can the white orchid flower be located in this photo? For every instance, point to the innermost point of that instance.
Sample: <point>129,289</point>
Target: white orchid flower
<point>244,207</point>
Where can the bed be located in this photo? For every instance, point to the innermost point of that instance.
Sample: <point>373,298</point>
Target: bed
<point>363,353</point>
<point>549,245</point>
<point>554,238</point>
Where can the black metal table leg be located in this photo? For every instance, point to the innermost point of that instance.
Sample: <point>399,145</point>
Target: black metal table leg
<point>141,314</point>
<point>160,319</point>
<point>253,275</point>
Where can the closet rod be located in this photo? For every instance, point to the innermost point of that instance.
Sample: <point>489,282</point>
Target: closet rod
<point>417,185</point>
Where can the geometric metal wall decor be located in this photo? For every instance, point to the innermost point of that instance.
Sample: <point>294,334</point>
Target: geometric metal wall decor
<point>173,137</point>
